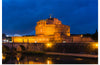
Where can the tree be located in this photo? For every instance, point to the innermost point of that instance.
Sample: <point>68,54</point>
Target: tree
<point>95,36</point>
<point>3,36</point>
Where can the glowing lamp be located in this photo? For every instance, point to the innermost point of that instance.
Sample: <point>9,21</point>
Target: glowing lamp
<point>49,45</point>
<point>35,41</point>
<point>95,45</point>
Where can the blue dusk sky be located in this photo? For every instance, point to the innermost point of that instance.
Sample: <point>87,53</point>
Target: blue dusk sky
<point>20,16</point>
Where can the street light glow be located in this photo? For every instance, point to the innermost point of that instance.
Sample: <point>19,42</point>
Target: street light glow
<point>96,45</point>
<point>48,44</point>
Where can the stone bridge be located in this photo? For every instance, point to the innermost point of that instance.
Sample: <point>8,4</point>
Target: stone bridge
<point>23,46</point>
<point>56,47</point>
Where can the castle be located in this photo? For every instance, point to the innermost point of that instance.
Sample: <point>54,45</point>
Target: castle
<point>51,30</point>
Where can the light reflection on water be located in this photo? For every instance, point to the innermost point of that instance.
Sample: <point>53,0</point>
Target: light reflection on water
<point>78,59</point>
<point>3,57</point>
<point>44,59</point>
<point>49,62</point>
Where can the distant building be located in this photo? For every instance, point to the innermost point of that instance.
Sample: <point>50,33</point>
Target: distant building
<point>50,30</point>
<point>5,38</point>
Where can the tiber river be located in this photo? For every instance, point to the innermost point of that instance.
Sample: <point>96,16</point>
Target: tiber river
<point>45,59</point>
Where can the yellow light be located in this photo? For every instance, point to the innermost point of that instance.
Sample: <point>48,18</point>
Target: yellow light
<point>49,44</point>
<point>97,45</point>
<point>18,62</point>
<point>79,59</point>
<point>3,57</point>
<point>49,62</point>
<point>81,35</point>
<point>17,58</point>
<point>31,62</point>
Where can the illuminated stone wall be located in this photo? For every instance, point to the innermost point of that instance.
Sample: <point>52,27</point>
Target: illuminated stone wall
<point>87,39</point>
<point>51,26</point>
<point>49,30</point>
<point>90,47</point>
<point>32,39</point>
<point>45,29</point>
<point>78,38</point>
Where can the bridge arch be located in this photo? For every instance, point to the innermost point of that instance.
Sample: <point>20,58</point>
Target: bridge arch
<point>20,48</point>
<point>5,48</point>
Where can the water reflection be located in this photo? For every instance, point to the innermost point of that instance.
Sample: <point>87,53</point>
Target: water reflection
<point>3,56</point>
<point>44,59</point>
<point>49,62</point>
<point>78,59</point>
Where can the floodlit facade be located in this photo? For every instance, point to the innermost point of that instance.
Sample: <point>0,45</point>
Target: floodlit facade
<point>51,26</point>
<point>50,30</point>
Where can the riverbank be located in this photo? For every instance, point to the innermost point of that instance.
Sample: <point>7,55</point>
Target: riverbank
<point>55,53</point>
<point>74,54</point>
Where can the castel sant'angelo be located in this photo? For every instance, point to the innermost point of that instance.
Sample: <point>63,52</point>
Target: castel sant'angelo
<point>51,30</point>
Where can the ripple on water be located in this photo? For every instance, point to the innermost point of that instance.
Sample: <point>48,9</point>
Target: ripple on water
<point>78,59</point>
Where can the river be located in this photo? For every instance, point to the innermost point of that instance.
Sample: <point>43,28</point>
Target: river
<point>20,58</point>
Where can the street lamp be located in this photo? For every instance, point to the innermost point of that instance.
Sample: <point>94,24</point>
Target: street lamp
<point>49,44</point>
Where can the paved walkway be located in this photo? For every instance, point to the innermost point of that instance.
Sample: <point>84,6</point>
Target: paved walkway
<point>74,54</point>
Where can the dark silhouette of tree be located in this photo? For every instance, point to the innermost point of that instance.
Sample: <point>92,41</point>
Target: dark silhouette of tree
<point>3,36</point>
<point>95,36</point>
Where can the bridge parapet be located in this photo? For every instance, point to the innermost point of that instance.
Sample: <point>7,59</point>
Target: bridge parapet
<point>57,47</point>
